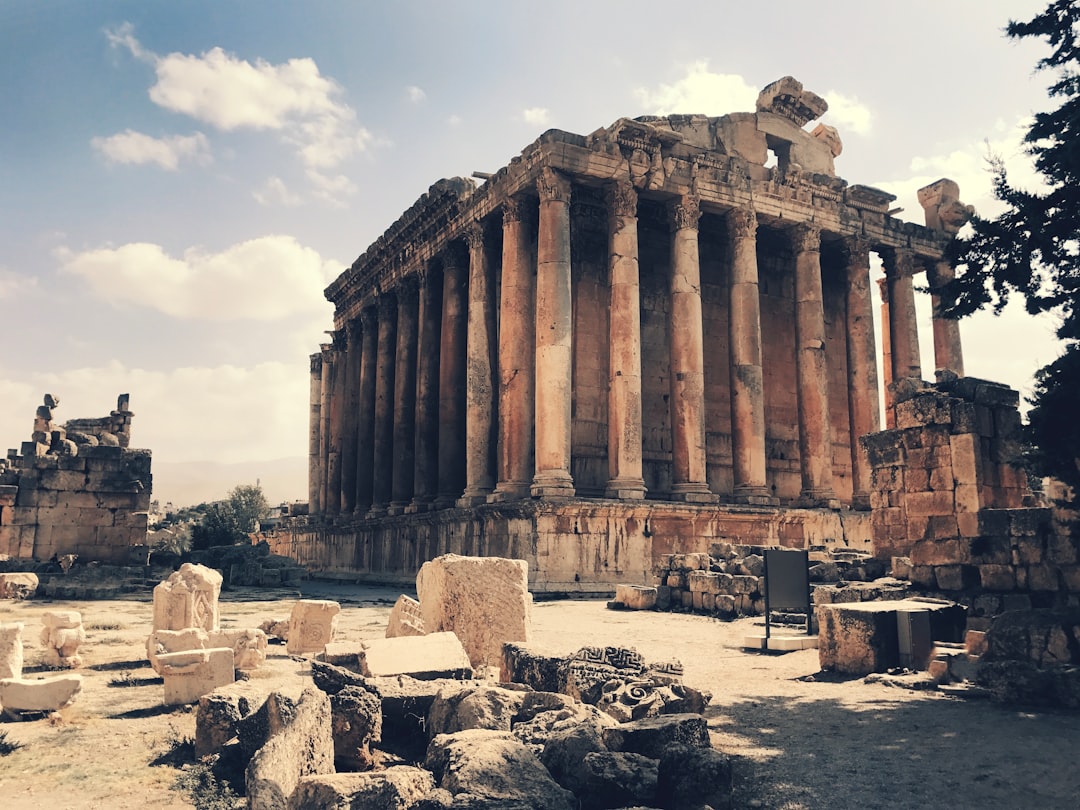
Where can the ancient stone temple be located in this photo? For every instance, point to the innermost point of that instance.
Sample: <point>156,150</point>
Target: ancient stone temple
<point>623,343</point>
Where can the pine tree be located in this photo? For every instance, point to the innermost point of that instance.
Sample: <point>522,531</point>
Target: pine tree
<point>1033,247</point>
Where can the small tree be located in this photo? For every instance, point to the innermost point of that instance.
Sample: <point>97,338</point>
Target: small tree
<point>229,522</point>
<point>1033,247</point>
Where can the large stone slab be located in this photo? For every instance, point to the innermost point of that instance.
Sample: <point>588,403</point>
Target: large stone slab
<point>396,788</point>
<point>484,600</point>
<point>437,655</point>
<point>304,747</point>
<point>21,695</point>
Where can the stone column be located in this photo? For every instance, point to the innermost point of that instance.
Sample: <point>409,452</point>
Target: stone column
<point>886,353</point>
<point>383,456</point>
<point>747,377</point>
<point>903,328</point>
<point>517,374</point>
<point>624,346</point>
<point>863,407</point>
<point>686,337</point>
<point>350,418</point>
<point>404,463</point>
<point>480,439</point>
<point>365,430</point>
<point>554,331</point>
<point>452,381</point>
<point>426,471</point>
<point>315,484</point>
<point>326,389</point>
<point>812,371</point>
<point>948,353</point>
<point>332,505</point>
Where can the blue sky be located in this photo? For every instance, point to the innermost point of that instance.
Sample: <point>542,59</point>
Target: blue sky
<point>179,181</point>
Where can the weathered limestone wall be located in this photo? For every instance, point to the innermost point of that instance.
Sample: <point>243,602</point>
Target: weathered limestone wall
<point>571,547</point>
<point>82,493</point>
<point>948,503</point>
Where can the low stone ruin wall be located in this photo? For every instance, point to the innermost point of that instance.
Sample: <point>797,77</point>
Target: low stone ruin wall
<point>575,547</point>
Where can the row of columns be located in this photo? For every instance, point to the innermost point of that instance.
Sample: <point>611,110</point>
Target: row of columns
<point>424,404</point>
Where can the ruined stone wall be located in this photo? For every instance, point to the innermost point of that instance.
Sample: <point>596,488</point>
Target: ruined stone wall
<point>76,494</point>
<point>951,505</point>
<point>574,547</point>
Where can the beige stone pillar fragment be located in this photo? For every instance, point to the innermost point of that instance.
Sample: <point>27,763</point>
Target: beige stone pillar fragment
<point>624,381</point>
<point>480,437</point>
<point>350,418</point>
<point>404,396</point>
<point>452,380</point>
<point>315,473</point>
<point>948,352</point>
<point>686,336</point>
<point>747,377</point>
<point>383,445</point>
<point>365,431</point>
<point>863,405</point>
<point>903,327</point>
<point>517,374</point>
<point>426,472</point>
<point>554,329</point>
<point>811,369</point>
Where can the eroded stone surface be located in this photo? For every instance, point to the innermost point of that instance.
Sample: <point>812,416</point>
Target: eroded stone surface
<point>11,649</point>
<point>406,618</point>
<point>311,625</point>
<point>61,636</point>
<point>396,788</point>
<point>437,655</point>
<point>191,674</point>
<point>18,585</point>
<point>21,695</point>
<point>188,598</point>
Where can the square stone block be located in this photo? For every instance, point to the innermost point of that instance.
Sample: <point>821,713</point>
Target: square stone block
<point>436,655</point>
<point>192,674</point>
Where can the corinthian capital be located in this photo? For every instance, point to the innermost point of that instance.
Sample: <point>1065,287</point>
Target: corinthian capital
<point>685,212</point>
<point>742,223</point>
<point>474,236</point>
<point>622,199</point>
<point>552,186</point>
<point>512,210</point>
<point>806,238</point>
<point>898,262</point>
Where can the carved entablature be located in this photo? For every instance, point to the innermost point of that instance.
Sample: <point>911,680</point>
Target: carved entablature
<point>868,198</point>
<point>942,207</point>
<point>786,97</point>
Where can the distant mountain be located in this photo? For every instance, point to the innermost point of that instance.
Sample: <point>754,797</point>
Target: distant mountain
<point>191,482</point>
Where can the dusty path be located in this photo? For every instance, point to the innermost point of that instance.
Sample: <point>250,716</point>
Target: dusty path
<point>801,740</point>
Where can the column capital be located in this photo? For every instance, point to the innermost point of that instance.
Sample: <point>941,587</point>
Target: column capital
<point>552,186</point>
<point>622,198</point>
<point>883,289</point>
<point>407,290</point>
<point>387,304</point>
<point>742,223</point>
<point>454,259</point>
<point>684,212</point>
<point>857,250</point>
<point>898,262</point>
<point>316,363</point>
<point>337,340</point>
<point>369,315</point>
<point>474,235</point>
<point>513,210</point>
<point>353,329</point>
<point>805,238</point>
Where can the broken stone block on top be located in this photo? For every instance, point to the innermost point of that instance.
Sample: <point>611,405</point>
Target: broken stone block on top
<point>311,625</point>
<point>61,636</point>
<point>437,655</point>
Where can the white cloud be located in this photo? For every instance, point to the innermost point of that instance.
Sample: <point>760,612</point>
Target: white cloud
<point>275,192</point>
<point>263,279</point>
<point>222,90</point>
<point>848,114</point>
<point>12,284</point>
<point>454,120</point>
<point>415,94</point>
<point>537,116</point>
<point>699,91</point>
<point>223,413</point>
<point>331,188</point>
<point>138,148</point>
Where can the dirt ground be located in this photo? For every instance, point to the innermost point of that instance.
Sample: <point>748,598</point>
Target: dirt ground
<point>800,738</point>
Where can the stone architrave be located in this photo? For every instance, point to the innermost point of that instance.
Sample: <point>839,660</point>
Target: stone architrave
<point>61,635</point>
<point>406,618</point>
<point>188,598</point>
<point>311,625</point>
<point>19,695</point>
<point>485,601</point>
<point>11,650</point>
<point>190,675</point>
